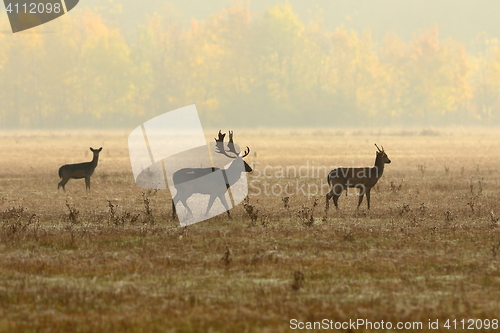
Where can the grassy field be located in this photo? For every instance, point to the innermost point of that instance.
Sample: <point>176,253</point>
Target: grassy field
<point>113,259</point>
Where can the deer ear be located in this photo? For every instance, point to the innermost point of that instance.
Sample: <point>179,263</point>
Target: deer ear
<point>100,149</point>
<point>91,149</point>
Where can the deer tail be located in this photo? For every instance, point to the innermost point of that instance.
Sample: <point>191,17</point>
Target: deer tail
<point>60,172</point>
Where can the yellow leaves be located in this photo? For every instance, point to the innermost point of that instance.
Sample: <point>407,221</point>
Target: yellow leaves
<point>282,22</point>
<point>93,25</point>
<point>393,47</point>
<point>495,66</point>
<point>271,66</point>
<point>211,104</point>
<point>426,44</point>
<point>195,27</point>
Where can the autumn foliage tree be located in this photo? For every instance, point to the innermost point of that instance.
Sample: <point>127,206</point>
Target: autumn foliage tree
<point>243,69</point>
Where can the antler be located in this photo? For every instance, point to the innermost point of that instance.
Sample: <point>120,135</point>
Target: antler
<point>221,137</point>
<point>230,145</point>
<point>380,150</point>
<point>219,142</point>
<point>246,152</point>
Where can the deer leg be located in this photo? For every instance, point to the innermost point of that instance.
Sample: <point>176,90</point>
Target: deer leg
<point>87,183</point>
<point>174,212</point>
<point>360,199</point>
<point>223,200</point>
<point>329,195</point>
<point>210,203</point>
<point>336,193</point>
<point>62,183</point>
<point>175,200</point>
<point>184,202</point>
<point>335,200</point>
<point>368,197</point>
<point>362,190</point>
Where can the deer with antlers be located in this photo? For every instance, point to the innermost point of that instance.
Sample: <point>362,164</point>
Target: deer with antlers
<point>185,186</point>
<point>362,178</point>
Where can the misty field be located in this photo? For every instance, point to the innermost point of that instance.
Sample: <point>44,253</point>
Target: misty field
<point>113,259</point>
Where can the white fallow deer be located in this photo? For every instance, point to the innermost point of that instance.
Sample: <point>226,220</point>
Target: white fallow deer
<point>185,186</point>
<point>362,178</point>
<point>79,170</point>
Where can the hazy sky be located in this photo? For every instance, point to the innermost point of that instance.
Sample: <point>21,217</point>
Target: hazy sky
<point>459,19</point>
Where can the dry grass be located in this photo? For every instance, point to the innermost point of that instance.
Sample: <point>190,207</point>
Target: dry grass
<point>89,262</point>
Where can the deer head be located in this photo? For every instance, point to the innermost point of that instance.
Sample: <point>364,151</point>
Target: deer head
<point>231,149</point>
<point>95,152</point>
<point>381,154</point>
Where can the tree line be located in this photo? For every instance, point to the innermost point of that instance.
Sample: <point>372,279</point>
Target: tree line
<point>243,70</point>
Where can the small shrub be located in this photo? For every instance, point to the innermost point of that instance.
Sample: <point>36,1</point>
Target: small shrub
<point>493,220</point>
<point>286,202</point>
<point>73,213</point>
<point>306,214</point>
<point>251,210</point>
<point>396,188</point>
<point>404,209</point>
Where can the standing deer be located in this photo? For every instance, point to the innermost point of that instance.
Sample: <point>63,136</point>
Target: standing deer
<point>185,186</point>
<point>362,178</point>
<point>79,170</point>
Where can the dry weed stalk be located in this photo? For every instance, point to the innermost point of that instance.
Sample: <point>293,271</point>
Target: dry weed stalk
<point>349,237</point>
<point>13,212</point>
<point>73,213</point>
<point>149,218</point>
<point>473,203</point>
<point>226,258</point>
<point>251,210</point>
<point>495,249</point>
<point>298,280</point>
<point>286,203</point>
<point>306,214</point>
<point>396,188</point>
<point>404,209</point>
<point>120,220</point>
<point>493,220</point>
<point>421,168</point>
<point>423,208</point>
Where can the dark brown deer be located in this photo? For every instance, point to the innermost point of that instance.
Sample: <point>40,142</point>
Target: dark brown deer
<point>186,187</point>
<point>79,170</point>
<point>362,178</point>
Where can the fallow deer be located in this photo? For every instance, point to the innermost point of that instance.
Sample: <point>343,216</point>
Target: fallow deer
<point>185,186</point>
<point>362,178</point>
<point>79,170</point>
